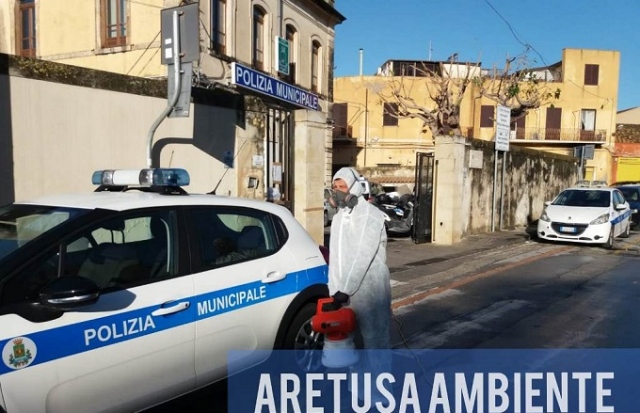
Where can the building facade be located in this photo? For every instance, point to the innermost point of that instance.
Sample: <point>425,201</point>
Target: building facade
<point>367,135</point>
<point>626,157</point>
<point>271,149</point>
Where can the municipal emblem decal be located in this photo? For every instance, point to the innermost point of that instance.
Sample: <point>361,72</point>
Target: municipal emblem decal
<point>19,352</point>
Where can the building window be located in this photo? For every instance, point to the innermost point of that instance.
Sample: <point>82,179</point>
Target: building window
<point>291,36</point>
<point>316,60</point>
<point>390,114</point>
<point>486,116</point>
<point>258,37</point>
<point>587,124</point>
<point>219,26</point>
<point>591,75</point>
<point>114,23</point>
<point>27,28</point>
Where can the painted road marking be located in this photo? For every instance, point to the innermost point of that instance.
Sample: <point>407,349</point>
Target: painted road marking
<point>395,283</point>
<point>481,320</point>
<point>401,302</point>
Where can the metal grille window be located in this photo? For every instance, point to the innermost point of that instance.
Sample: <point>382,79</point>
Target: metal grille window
<point>390,114</point>
<point>292,34</point>
<point>258,37</point>
<point>26,28</point>
<point>219,26</point>
<point>315,66</point>
<point>114,23</point>
<point>591,73</point>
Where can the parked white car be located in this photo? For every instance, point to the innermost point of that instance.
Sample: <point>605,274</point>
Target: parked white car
<point>123,298</point>
<point>593,215</point>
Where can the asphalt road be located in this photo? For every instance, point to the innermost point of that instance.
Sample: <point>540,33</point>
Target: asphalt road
<point>525,295</point>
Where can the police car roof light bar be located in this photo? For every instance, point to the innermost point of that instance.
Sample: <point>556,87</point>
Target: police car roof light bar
<point>161,177</point>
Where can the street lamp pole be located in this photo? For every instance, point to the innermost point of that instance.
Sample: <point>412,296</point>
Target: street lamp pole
<point>366,123</point>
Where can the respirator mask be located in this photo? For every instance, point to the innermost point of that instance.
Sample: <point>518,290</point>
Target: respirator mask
<point>341,199</point>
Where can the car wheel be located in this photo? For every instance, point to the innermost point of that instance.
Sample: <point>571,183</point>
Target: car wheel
<point>610,240</point>
<point>326,219</point>
<point>305,343</point>
<point>627,231</point>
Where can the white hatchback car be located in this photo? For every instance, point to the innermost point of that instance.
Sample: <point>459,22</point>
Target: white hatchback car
<point>594,215</point>
<point>129,296</point>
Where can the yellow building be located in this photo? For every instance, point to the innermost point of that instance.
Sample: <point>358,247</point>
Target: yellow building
<point>367,135</point>
<point>240,45</point>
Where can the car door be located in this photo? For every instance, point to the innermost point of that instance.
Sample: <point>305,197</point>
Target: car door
<point>131,349</point>
<point>619,215</point>
<point>245,280</point>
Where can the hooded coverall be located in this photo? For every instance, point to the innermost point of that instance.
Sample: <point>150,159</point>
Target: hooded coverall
<point>357,256</point>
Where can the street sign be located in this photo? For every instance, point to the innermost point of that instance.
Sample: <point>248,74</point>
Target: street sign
<point>584,151</point>
<point>503,127</point>
<point>189,35</point>
<point>282,55</point>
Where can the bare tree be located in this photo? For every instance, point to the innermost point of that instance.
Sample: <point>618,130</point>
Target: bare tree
<point>446,90</point>
<point>517,87</point>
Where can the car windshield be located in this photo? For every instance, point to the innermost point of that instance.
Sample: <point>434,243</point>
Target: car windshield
<point>630,194</point>
<point>584,198</point>
<point>20,224</point>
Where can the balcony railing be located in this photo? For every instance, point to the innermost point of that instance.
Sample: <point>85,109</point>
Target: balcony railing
<point>343,132</point>
<point>540,134</point>
<point>573,135</point>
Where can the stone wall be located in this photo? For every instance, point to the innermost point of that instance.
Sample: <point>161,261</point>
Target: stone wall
<point>464,183</point>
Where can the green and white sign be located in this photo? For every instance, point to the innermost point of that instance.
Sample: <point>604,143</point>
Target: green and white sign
<point>282,55</point>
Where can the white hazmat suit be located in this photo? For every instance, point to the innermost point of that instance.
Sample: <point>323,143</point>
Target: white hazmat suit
<point>357,263</point>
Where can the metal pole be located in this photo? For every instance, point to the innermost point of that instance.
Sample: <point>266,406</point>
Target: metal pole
<point>495,189</point>
<point>178,86</point>
<point>504,163</point>
<point>361,60</point>
<point>366,123</point>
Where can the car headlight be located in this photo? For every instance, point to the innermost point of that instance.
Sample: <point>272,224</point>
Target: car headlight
<point>602,219</point>
<point>545,217</point>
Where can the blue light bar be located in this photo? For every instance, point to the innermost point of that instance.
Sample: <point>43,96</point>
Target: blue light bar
<point>164,177</point>
<point>170,177</point>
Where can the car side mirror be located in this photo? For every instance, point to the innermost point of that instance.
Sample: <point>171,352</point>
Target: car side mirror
<point>621,207</point>
<point>547,203</point>
<point>67,293</point>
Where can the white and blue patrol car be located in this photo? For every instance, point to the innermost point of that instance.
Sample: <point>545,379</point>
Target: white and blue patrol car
<point>123,298</point>
<point>586,214</point>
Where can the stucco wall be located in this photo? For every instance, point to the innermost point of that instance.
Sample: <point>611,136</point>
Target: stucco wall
<point>464,194</point>
<point>55,135</point>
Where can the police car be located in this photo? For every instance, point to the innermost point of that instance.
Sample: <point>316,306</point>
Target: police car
<point>586,214</point>
<point>122,298</point>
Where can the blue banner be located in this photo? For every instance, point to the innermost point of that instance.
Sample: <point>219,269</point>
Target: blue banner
<point>438,381</point>
<point>267,85</point>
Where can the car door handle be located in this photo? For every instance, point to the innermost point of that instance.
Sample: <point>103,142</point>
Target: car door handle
<point>273,276</point>
<point>176,308</point>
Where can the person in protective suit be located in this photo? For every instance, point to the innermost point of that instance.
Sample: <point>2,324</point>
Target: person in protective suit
<point>358,273</point>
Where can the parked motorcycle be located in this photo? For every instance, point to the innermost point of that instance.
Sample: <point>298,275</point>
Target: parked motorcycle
<point>398,213</point>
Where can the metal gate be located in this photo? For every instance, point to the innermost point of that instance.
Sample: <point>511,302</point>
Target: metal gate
<point>422,212</point>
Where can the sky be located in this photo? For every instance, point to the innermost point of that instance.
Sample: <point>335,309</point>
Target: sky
<point>488,31</point>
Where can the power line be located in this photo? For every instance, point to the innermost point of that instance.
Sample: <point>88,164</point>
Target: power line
<point>145,51</point>
<point>526,45</point>
<point>144,4</point>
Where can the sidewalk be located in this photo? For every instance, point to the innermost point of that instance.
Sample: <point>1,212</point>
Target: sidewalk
<point>402,253</point>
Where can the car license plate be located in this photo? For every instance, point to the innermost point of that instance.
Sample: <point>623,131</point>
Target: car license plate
<point>568,229</point>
